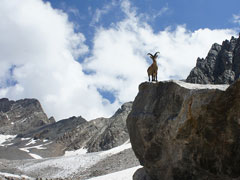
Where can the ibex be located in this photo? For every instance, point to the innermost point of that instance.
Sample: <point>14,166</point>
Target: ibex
<point>152,70</point>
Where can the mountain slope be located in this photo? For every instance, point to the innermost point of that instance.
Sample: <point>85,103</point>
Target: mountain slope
<point>39,137</point>
<point>20,116</point>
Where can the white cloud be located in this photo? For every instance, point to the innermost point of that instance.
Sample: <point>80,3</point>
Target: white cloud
<point>100,12</point>
<point>236,18</point>
<point>40,46</point>
<point>161,12</point>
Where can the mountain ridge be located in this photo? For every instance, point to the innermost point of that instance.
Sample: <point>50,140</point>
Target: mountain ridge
<point>221,65</point>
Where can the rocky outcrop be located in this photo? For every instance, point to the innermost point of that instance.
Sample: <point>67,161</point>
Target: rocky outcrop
<point>221,66</point>
<point>20,116</point>
<point>179,133</point>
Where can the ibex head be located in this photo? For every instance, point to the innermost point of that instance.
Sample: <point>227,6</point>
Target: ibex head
<point>153,57</point>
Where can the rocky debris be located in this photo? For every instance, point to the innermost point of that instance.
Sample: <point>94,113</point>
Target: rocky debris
<point>221,66</point>
<point>20,116</point>
<point>178,133</point>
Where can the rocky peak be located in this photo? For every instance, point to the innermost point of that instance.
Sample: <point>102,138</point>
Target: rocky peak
<point>221,66</point>
<point>19,116</point>
<point>114,133</point>
<point>186,133</point>
<point>125,108</point>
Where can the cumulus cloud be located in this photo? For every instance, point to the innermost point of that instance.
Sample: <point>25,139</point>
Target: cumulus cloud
<point>120,53</point>
<point>39,49</point>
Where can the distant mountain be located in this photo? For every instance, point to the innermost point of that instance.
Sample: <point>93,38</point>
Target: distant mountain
<point>21,116</point>
<point>221,66</point>
<point>36,134</point>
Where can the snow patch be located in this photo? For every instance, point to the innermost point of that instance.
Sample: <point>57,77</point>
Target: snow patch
<point>45,140</point>
<point>25,139</point>
<point>221,87</point>
<point>126,145</point>
<point>26,149</point>
<point>76,152</point>
<point>120,175</point>
<point>31,142</point>
<point>35,156</point>
<point>6,138</point>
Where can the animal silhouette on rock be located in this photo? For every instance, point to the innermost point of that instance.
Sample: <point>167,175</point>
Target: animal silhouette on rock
<point>152,70</point>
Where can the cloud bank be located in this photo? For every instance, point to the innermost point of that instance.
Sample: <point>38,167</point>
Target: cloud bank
<point>39,49</point>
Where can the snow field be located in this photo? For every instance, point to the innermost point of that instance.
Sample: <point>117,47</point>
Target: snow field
<point>120,175</point>
<point>70,164</point>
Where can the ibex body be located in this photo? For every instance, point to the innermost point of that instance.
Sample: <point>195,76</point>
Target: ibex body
<point>152,70</point>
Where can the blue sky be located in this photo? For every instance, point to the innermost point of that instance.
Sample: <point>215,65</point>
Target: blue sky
<point>194,14</point>
<point>87,57</point>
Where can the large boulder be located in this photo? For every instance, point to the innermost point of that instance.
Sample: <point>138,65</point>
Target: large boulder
<point>186,132</point>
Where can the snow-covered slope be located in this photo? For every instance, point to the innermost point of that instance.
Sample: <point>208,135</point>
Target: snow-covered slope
<point>67,166</point>
<point>120,175</point>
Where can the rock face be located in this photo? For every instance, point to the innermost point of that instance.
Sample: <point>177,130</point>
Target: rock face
<point>115,132</point>
<point>186,134</point>
<point>221,66</point>
<point>55,130</point>
<point>20,116</point>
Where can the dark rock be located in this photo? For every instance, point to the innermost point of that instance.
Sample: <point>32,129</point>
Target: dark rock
<point>183,134</point>
<point>52,119</point>
<point>20,116</point>
<point>221,66</point>
<point>141,174</point>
